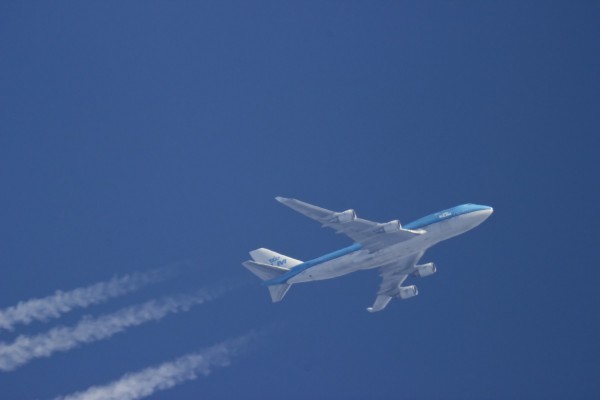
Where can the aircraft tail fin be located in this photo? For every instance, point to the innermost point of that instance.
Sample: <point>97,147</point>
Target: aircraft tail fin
<point>268,265</point>
<point>269,257</point>
<point>266,272</point>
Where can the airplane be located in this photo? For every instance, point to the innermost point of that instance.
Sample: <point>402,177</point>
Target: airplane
<point>392,248</point>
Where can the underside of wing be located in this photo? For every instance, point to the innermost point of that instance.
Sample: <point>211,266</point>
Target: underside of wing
<point>392,277</point>
<point>371,235</point>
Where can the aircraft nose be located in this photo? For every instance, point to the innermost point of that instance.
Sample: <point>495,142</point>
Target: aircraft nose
<point>487,211</point>
<point>482,212</point>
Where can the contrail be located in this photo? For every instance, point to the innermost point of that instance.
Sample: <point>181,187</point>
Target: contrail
<point>63,338</point>
<point>60,302</point>
<point>144,383</point>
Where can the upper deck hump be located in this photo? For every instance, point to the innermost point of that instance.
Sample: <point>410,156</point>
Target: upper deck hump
<point>444,215</point>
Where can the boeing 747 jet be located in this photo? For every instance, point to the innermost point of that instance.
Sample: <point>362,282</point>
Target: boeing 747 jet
<point>390,247</point>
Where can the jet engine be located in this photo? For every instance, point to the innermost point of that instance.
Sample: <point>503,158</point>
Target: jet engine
<point>344,216</point>
<point>425,270</point>
<point>406,292</point>
<point>390,227</point>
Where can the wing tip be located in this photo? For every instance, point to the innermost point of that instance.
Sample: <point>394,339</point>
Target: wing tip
<point>381,302</point>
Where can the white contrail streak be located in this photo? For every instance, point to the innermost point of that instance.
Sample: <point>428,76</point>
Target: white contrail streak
<point>144,383</point>
<point>63,338</point>
<point>61,302</point>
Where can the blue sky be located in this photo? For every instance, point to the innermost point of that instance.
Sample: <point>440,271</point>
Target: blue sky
<point>140,135</point>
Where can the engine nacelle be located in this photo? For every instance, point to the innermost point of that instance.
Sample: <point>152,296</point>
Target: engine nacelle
<point>344,216</point>
<point>425,270</point>
<point>390,227</point>
<point>406,292</point>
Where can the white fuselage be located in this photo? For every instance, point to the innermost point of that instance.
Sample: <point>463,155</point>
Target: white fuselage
<point>358,259</point>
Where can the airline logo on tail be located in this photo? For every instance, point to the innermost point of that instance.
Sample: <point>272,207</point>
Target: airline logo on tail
<point>277,261</point>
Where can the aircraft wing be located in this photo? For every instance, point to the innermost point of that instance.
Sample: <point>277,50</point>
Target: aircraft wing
<point>371,235</point>
<point>392,277</point>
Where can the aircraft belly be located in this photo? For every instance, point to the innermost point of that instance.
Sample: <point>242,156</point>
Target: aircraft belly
<point>397,252</point>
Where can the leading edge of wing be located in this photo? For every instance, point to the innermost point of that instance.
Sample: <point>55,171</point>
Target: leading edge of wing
<point>372,235</point>
<point>311,211</point>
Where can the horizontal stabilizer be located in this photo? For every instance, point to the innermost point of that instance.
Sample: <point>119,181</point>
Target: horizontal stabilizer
<point>267,272</point>
<point>264,271</point>
<point>278,291</point>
